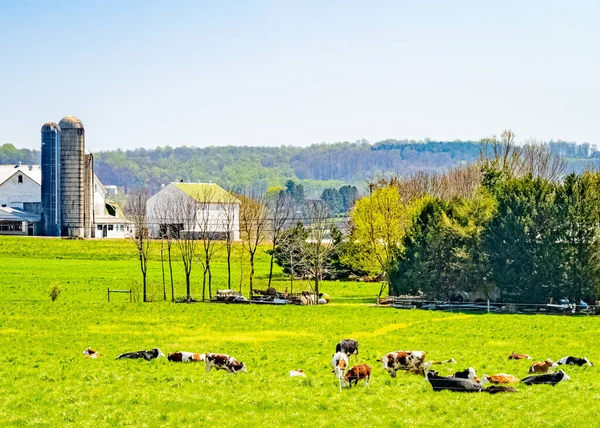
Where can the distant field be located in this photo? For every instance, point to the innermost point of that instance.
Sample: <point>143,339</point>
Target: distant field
<point>47,382</point>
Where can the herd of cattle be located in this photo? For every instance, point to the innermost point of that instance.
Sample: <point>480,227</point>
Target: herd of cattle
<point>407,361</point>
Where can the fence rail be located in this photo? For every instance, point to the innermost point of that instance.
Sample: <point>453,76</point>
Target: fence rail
<point>405,302</point>
<point>130,292</point>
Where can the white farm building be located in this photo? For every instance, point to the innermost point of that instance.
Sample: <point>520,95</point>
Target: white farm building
<point>194,208</point>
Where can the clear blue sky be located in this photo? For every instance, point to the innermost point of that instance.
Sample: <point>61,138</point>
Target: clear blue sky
<point>148,73</point>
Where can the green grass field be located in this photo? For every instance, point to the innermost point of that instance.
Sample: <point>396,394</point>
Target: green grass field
<point>47,382</point>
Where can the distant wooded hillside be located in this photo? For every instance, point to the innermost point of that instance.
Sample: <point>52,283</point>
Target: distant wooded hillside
<point>316,167</point>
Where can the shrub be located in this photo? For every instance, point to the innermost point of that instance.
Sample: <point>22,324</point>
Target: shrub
<point>54,291</point>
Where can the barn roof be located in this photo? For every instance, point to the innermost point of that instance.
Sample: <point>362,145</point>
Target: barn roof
<point>35,173</point>
<point>207,192</point>
<point>14,214</point>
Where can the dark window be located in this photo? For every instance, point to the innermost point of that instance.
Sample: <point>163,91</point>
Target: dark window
<point>20,178</point>
<point>99,227</point>
<point>110,227</point>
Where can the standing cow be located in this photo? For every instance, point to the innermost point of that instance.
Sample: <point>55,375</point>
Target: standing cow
<point>339,364</point>
<point>348,347</point>
<point>356,373</point>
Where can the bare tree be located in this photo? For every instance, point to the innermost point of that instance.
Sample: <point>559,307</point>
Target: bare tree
<point>531,158</point>
<point>253,228</point>
<point>165,225</point>
<point>141,238</point>
<point>280,207</point>
<point>319,246</point>
<point>185,237</point>
<point>230,224</point>
<point>208,230</point>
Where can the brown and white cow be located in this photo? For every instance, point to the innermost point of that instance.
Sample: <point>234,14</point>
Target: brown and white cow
<point>224,362</point>
<point>297,373</point>
<point>90,353</point>
<point>186,357</point>
<point>501,378</point>
<point>515,356</point>
<point>339,364</point>
<point>356,373</point>
<point>411,361</point>
<point>542,366</point>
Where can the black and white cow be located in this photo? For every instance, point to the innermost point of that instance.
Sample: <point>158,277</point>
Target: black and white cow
<point>546,379</point>
<point>224,362</point>
<point>146,355</point>
<point>454,384</point>
<point>574,361</point>
<point>348,347</point>
<point>469,373</point>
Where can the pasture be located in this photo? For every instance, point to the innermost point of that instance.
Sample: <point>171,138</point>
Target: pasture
<point>47,382</point>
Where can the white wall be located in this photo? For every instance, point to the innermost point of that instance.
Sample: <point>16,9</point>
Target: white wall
<point>167,199</point>
<point>13,193</point>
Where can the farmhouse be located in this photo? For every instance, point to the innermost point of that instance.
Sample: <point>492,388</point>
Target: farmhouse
<point>21,204</point>
<point>20,199</point>
<point>194,208</point>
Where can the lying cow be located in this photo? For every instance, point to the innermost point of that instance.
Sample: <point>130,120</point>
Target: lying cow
<point>297,373</point>
<point>339,364</point>
<point>90,353</point>
<point>454,384</point>
<point>497,379</point>
<point>515,356</point>
<point>146,355</point>
<point>546,379</point>
<point>542,366</point>
<point>224,362</point>
<point>574,361</point>
<point>412,361</point>
<point>356,373</point>
<point>348,347</point>
<point>186,357</point>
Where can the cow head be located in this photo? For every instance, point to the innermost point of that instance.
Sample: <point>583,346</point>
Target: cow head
<point>564,377</point>
<point>551,363</point>
<point>158,352</point>
<point>89,351</point>
<point>588,362</point>
<point>238,366</point>
<point>484,380</point>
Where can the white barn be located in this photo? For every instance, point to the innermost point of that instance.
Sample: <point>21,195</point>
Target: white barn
<point>20,199</point>
<point>109,219</point>
<point>194,208</point>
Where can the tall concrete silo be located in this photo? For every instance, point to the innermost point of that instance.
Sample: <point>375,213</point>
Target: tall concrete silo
<point>88,216</point>
<point>51,203</point>
<point>72,177</point>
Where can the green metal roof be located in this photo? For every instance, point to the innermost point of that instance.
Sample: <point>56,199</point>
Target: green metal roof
<point>207,192</point>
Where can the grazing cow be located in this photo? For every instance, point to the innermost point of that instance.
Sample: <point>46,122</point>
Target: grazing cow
<point>469,373</point>
<point>499,379</point>
<point>185,357</point>
<point>546,379</point>
<point>297,373</point>
<point>542,366</point>
<point>224,362</point>
<point>348,347</point>
<point>515,356</point>
<point>339,363</point>
<point>495,389</point>
<point>356,373</point>
<point>412,361</point>
<point>90,353</point>
<point>454,384</point>
<point>574,361</point>
<point>146,355</point>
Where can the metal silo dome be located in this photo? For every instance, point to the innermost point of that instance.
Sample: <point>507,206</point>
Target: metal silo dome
<point>50,126</point>
<point>70,122</point>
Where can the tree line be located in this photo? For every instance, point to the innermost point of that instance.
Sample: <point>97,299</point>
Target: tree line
<point>512,225</point>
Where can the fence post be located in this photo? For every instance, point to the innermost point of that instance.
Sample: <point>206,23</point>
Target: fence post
<point>108,293</point>
<point>130,296</point>
<point>488,305</point>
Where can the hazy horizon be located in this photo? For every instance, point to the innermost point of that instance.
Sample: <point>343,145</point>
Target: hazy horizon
<point>156,73</point>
